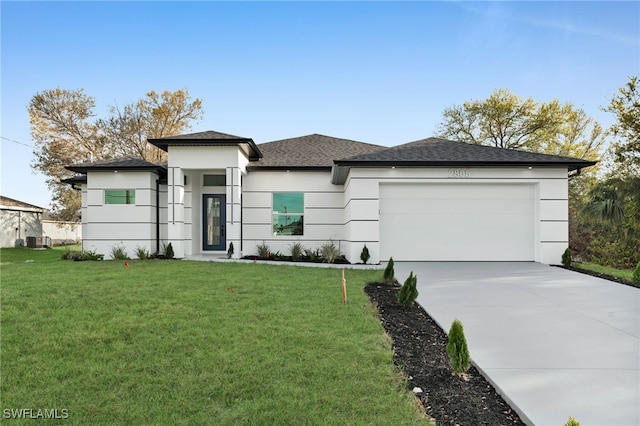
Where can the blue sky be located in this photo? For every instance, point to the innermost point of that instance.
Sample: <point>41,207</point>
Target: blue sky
<point>377,72</point>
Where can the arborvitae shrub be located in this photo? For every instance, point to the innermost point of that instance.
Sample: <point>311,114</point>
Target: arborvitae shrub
<point>364,256</point>
<point>572,422</point>
<point>230,251</point>
<point>457,348</point>
<point>566,258</point>
<point>635,278</point>
<point>168,251</point>
<point>409,291</point>
<point>389,274</point>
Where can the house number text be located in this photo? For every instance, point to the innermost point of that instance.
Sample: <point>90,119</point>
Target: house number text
<point>459,173</point>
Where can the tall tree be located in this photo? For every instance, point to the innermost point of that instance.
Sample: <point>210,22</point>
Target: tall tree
<point>626,106</point>
<point>505,120</point>
<point>66,131</point>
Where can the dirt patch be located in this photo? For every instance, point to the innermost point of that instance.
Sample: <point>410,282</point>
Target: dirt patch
<point>419,346</point>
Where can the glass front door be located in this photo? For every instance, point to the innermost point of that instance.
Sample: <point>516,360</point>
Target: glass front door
<point>213,222</point>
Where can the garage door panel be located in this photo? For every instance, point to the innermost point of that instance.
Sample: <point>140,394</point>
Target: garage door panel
<point>457,222</point>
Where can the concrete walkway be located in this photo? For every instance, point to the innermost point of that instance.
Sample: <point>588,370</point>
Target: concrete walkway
<point>555,343</point>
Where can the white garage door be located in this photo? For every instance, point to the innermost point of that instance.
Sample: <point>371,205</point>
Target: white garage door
<point>457,222</point>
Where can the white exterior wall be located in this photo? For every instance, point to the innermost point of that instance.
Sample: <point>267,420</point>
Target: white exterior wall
<point>19,223</point>
<point>324,218</point>
<point>60,231</point>
<point>128,225</point>
<point>184,202</point>
<point>362,196</point>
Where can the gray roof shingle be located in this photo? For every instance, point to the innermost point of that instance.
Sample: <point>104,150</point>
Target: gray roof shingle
<point>437,151</point>
<point>311,151</point>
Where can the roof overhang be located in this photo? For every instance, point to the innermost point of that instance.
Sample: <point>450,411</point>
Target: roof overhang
<point>247,145</point>
<point>341,169</point>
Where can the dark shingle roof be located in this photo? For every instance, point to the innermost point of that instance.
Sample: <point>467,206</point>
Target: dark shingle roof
<point>311,151</point>
<point>436,151</point>
<point>209,138</point>
<point>132,164</point>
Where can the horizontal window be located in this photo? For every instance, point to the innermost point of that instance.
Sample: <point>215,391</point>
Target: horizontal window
<point>288,213</point>
<point>119,196</point>
<point>214,180</point>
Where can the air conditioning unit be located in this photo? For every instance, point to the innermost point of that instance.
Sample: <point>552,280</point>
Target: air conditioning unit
<point>19,242</point>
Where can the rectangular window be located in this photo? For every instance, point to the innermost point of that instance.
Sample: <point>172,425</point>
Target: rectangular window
<point>119,196</point>
<point>214,180</point>
<point>288,213</point>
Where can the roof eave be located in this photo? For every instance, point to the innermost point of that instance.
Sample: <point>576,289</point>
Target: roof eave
<point>289,168</point>
<point>253,153</point>
<point>341,169</point>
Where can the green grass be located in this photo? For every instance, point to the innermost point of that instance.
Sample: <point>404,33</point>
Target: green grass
<point>626,274</point>
<point>178,342</point>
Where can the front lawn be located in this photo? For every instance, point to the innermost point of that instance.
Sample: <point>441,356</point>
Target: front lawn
<point>180,342</point>
<point>626,274</point>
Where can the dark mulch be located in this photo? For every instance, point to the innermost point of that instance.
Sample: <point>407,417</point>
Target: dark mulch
<point>419,346</point>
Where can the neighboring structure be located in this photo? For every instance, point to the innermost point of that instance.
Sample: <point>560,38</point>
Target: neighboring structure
<point>432,199</point>
<point>61,232</point>
<point>20,223</point>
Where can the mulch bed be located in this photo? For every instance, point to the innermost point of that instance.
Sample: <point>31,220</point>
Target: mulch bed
<point>419,346</point>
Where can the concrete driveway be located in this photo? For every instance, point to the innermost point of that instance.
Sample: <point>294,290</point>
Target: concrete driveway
<point>555,343</point>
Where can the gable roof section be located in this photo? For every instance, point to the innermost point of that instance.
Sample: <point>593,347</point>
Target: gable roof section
<point>309,152</point>
<point>445,153</point>
<point>128,164</point>
<point>209,138</point>
<point>7,203</point>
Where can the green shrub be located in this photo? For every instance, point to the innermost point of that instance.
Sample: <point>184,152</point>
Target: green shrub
<point>566,258</point>
<point>457,348</point>
<point>409,291</point>
<point>635,278</point>
<point>230,251</point>
<point>364,255</point>
<point>296,250</point>
<point>168,251</point>
<point>329,252</point>
<point>142,253</point>
<point>389,275</point>
<point>81,255</point>
<point>572,422</point>
<point>119,253</point>
<point>312,255</point>
<point>263,250</point>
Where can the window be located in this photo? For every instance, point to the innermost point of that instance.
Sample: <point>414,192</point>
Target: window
<point>214,180</point>
<point>288,213</point>
<point>119,196</point>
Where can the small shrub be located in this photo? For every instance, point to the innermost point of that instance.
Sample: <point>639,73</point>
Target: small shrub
<point>457,348</point>
<point>142,253</point>
<point>572,422</point>
<point>635,278</point>
<point>230,251</point>
<point>72,255</point>
<point>389,275</point>
<point>364,255</point>
<point>91,255</point>
<point>263,250</point>
<point>168,251</point>
<point>566,258</point>
<point>312,255</point>
<point>296,251</point>
<point>329,252</point>
<point>409,291</point>
<point>119,253</point>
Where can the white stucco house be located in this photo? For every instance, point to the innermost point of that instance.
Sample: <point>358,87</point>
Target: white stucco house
<point>428,200</point>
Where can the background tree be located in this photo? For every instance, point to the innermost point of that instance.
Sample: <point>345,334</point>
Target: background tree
<point>626,106</point>
<point>66,131</point>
